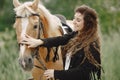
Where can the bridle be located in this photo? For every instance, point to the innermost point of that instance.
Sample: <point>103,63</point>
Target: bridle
<point>36,52</point>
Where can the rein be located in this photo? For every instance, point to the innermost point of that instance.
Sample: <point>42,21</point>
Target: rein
<point>37,56</point>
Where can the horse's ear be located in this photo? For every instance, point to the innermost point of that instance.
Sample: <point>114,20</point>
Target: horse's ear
<point>16,3</point>
<point>35,4</point>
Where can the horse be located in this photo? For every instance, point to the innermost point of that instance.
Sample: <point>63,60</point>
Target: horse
<point>33,19</point>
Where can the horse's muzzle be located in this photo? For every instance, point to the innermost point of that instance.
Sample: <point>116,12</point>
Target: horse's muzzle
<point>26,63</point>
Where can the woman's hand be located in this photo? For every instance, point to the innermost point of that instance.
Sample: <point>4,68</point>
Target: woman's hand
<point>49,73</point>
<point>31,42</point>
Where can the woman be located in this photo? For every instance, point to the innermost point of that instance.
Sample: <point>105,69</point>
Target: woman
<point>81,52</point>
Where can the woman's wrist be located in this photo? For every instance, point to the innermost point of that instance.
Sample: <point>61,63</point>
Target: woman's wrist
<point>40,42</point>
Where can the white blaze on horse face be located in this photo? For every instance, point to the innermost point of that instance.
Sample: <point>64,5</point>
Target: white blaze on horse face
<point>22,50</point>
<point>24,28</point>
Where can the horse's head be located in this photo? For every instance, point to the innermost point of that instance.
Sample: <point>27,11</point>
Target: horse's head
<point>30,20</point>
<point>27,22</point>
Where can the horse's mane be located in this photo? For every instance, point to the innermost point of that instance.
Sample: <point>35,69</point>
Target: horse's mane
<point>24,10</point>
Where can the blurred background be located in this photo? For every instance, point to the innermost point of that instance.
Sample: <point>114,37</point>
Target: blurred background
<point>109,18</point>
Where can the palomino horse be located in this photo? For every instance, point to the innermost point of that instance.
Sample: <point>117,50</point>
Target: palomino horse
<point>34,19</point>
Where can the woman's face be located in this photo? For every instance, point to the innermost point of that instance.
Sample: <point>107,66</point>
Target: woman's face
<point>78,21</point>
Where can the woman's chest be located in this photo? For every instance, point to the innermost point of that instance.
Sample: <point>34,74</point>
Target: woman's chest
<point>76,59</point>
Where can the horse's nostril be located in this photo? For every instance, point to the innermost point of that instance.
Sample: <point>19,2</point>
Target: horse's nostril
<point>30,60</point>
<point>21,44</point>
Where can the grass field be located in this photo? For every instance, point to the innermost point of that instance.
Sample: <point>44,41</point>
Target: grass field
<point>111,56</point>
<point>10,69</point>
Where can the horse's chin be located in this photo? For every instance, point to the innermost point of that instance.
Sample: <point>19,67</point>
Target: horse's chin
<point>26,63</point>
<point>27,68</point>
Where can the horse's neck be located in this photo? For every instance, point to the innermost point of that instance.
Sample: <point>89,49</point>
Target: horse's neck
<point>50,22</point>
<point>45,28</point>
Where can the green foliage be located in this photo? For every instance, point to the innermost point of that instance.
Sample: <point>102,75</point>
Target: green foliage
<point>108,11</point>
<point>9,67</point>
<point>110,56</point>
<point>2,3</point>
<point>6,15</point>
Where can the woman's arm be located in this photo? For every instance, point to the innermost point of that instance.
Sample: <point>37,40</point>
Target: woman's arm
<point>59,40</point>
<point>71,74</point>
<point>48,42</point>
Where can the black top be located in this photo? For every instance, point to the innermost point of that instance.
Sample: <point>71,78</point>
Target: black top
<point>59,40</point>
<point>76,71</point>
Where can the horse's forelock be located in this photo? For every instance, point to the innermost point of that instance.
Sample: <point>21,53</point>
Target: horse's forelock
<point>24,9</point>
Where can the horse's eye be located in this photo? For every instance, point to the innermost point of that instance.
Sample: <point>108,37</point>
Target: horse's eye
<point>35,26</point>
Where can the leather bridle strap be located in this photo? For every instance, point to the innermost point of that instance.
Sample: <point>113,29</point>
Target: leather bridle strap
<point>37,56</point>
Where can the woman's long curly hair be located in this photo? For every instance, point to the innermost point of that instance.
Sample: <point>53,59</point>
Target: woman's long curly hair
<point>86,36</point>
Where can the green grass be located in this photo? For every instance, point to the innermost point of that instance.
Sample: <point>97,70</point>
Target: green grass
<point>10,69</point>
<point>110,56</point>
